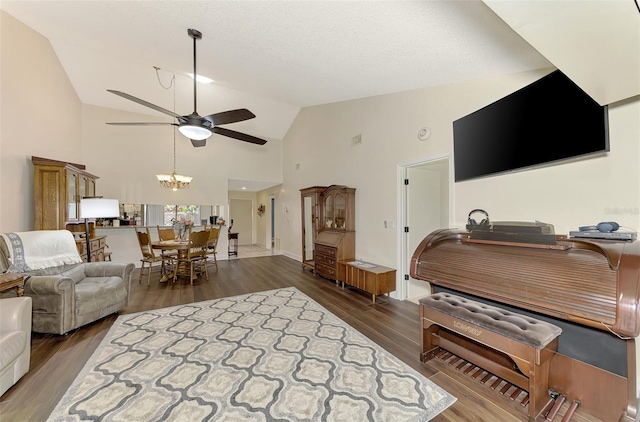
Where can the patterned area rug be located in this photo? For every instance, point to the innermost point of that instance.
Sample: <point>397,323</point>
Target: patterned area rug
<point>267,356</point>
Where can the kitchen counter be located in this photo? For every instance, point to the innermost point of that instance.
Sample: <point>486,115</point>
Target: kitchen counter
<point>198,226</point>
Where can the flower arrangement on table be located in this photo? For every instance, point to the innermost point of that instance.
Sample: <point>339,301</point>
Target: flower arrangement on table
<point>181,226</point>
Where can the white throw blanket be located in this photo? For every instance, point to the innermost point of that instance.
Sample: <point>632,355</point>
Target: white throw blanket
<point>40,249</point>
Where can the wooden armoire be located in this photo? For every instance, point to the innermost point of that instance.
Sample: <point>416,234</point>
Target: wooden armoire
<point>58,187</point>
<point>336,240</point>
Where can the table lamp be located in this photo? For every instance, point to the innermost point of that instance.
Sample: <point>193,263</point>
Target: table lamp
<point>96,207</point>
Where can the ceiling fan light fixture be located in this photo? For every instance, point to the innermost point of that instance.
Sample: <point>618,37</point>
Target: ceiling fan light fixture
<point>193,126</point>
<point>195,132</point>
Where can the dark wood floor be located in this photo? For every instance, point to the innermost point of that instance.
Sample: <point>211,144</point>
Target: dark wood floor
<point>393,324</point>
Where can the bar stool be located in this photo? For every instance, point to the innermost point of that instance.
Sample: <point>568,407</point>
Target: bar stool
<point>233,244</point>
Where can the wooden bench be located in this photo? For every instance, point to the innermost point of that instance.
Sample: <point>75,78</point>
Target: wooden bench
<point>524,345</point>
<point>371,278</point>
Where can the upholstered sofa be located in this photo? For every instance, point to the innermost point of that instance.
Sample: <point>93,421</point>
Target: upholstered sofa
<point>15,340</point>
<point>66,292</point>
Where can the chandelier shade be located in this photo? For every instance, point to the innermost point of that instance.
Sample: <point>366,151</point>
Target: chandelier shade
<point>174,181</point>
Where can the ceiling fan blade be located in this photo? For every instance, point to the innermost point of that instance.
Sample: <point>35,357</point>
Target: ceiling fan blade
<point>238,135</point>
<point>230,116</point>
<point>197,143</point>
<point>144,124</point>
<point>145,103</point>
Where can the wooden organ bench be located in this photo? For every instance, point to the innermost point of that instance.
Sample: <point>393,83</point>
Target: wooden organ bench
<point>528,342</point>
<point>588,288</point>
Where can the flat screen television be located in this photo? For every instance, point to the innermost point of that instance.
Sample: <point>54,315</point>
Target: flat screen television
<point>548,121</point>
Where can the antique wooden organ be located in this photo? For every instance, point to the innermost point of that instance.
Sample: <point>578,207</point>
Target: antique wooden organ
<point>590,288</point>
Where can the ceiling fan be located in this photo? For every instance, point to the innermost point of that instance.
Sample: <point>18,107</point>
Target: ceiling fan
<point>193,126</point>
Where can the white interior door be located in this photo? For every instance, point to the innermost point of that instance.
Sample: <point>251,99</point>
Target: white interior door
<point>426,210</point>
<point>272,226</point>
<point>241,211</point>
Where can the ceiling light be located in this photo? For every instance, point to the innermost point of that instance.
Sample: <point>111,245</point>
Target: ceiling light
<point>195,132</point>
<point>174,181</point>
<point>201,79</point>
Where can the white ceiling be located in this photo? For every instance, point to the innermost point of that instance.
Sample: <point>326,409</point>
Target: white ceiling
<point>596,43</point>
<point>274,57</point>
<point>250,185</point>
<point>271,57</point>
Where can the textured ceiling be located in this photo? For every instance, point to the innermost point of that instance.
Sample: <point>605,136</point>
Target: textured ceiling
<point>596,43</point>
<point>272,57</point>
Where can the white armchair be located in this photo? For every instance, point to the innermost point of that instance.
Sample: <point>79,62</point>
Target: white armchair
<point>15,340</point>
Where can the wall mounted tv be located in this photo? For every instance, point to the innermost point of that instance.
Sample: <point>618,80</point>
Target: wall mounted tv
<point>545,122</point>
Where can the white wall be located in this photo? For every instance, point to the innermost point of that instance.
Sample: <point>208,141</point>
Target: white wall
<point>572,194</point>
<point>243,220</point>
<point>41,116</point>
<point>241,210</point>
<point>263,226</point>
<point>37,95</point>
<point>128,158</point>
<point>566,195</point>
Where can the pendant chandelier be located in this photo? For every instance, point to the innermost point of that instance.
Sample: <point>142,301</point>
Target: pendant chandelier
<point>174,180</point>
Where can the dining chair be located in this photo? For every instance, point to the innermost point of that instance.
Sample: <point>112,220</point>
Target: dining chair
<point>214,234</point>
<point>167,233</point>
<point>194,262</point>
<point>149,257</point>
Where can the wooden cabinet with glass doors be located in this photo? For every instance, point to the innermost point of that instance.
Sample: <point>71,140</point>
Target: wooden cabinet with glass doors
<point>311,223</point>
<point>337,238</point>
<point>58,188</point>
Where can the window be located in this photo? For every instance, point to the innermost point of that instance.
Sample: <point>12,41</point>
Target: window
<point>181,212</point>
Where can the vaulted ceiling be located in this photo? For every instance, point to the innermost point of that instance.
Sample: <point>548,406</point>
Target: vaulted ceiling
<point>271,57</point>
<point>274,57</point>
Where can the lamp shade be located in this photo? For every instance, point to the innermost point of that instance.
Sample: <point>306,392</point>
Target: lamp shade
<point>99,208</point>
<point>197,133</point>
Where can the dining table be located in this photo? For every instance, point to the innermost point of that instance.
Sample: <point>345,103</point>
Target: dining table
<point>181,246</point>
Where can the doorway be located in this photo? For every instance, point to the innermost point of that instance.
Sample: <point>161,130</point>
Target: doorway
<point>272,203</point>
<point>425,207</point>
<point>240,210</point>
